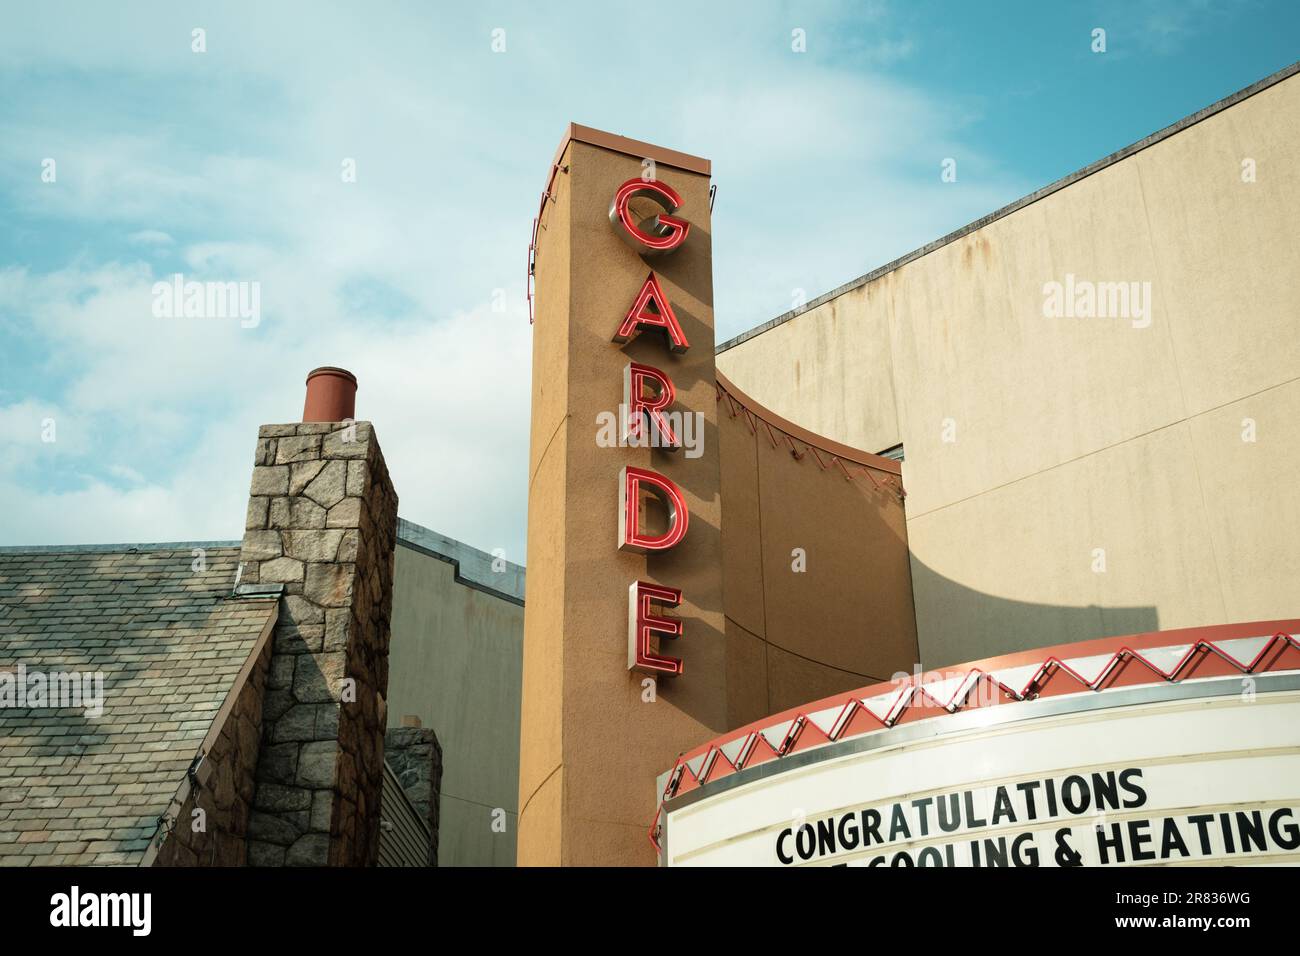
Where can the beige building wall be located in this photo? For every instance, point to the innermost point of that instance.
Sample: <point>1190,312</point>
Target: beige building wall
<point>455,661</point>
<point>1037,447</point>
<point>816,582</point>
<point>592,736</point>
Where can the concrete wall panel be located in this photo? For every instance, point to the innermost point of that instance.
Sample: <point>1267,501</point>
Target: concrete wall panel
<point>455,662</point>
<point>1024,392</point>
<point>817,582</point>
<point>748,694</point>
<point>850,607</point>
<point>1252,500</point>
<point>1075,433</point>
<point>742,542</point>
<point>1128,501</point>
<point>1227,251</point>
<point>834,374</point>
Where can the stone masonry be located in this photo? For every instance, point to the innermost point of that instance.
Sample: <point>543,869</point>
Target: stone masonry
<point>415,756</point>
<point>322,521</point>
<point>226,793</point>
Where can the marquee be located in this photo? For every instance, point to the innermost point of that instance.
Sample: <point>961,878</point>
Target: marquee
<point>1173,747</point>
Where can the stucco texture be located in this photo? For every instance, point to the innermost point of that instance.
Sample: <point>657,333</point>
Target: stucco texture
<point>592,737</point>
<point>815,569</point>
<point>454,662</point>
<point>1038,448</point>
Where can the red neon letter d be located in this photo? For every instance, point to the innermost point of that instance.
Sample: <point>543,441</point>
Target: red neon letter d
<point>630,536</point>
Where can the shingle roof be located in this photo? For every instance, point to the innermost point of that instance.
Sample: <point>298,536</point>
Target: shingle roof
<point>169,641</point>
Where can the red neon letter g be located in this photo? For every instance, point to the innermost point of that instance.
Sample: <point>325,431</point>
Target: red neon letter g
<point>665,234</point>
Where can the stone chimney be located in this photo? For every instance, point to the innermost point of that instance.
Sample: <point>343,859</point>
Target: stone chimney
<point>322,521</point>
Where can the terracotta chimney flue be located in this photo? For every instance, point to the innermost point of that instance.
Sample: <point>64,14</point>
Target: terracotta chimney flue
<point>331,395</point>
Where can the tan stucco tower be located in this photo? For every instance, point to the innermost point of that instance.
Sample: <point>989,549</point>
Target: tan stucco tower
<point>594,734</point>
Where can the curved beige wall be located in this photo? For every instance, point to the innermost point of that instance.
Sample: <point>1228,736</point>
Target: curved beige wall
<point>816,584</point>
<point>1073,435</point>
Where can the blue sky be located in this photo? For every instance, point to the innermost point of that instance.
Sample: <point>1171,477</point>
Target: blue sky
<point>226,165</point>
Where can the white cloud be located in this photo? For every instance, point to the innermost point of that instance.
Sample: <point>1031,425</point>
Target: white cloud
<point>150,237</point>
<point>173,406</point>
<point>227,165</point>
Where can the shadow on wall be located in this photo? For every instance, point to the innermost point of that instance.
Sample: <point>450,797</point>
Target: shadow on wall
<point>956,624</point>
<point>817,589</point>
<point>823,592</point>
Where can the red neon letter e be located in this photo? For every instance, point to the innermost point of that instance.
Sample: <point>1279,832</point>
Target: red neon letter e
<point>641,624</point>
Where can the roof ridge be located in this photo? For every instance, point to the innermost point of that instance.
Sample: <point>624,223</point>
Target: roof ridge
<point>1232,99</point>
<point>123,548</point>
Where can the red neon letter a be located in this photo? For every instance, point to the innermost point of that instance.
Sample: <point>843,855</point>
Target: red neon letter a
<point>651,310</point>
